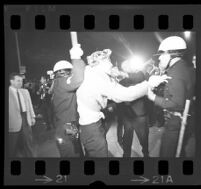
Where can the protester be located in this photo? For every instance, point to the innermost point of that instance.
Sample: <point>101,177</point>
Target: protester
<point>98,86</point>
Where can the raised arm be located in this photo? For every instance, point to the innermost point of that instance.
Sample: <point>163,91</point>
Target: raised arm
<point>78,68</point>
<point>77,75</point>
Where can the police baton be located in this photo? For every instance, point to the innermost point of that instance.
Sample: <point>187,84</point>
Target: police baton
<point>74,40</point>
<point>183,126</point>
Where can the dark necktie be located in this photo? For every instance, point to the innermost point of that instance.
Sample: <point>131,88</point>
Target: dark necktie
<point>18,96</point>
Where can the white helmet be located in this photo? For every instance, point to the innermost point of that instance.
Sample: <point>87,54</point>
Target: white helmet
<point>172,43</point>
<point>61,65</point>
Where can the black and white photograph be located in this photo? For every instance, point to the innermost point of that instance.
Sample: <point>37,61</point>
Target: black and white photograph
<point>75,94</point>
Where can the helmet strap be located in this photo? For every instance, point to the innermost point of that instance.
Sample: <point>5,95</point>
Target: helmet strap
<point>168,66</point>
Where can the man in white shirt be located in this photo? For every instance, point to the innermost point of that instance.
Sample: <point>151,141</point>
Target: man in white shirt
<point>21,118</point>
<point>97,88</point>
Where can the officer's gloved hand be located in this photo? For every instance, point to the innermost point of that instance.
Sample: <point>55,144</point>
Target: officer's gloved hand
<point>155,80</point>
<point>76,52</point>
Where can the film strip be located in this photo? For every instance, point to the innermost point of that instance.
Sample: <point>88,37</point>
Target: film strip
<point>102,18</point>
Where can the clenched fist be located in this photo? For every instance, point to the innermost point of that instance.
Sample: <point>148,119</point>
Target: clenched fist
<point>76,52</point>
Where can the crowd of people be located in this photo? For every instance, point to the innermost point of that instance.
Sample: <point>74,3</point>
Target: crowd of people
<point>83,96</point>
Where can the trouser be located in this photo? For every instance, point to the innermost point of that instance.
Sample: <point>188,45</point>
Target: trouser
<point>189,135</point>
<point>155,115</point>
<point>169,139</point>
<point>93,138</point>
<point>21,142</point>
<point>139,124</point>
<point>68,145</point>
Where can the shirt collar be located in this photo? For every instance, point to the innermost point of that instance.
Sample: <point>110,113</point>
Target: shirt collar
<point>13,89</point>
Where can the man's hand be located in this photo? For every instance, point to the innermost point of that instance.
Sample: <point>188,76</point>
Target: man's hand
<point>76,52</point>
<point>155,80</point>
<point>151,95</point>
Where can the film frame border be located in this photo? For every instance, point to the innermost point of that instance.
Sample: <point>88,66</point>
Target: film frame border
<point>103,167</point>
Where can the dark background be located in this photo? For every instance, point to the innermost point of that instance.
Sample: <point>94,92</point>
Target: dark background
<point>39,51</point>
<point>27,174</point>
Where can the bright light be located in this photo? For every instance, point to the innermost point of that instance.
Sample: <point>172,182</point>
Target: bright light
<point>50,72</point>
<point>187,34</point>
<point>133,64</point>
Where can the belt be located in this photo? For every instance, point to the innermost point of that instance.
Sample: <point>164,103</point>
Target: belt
<point>96,122</point>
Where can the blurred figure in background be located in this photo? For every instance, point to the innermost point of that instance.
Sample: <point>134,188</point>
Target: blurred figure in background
<point>45,102</point>
<point>188,149</point>
<point>132,116</point>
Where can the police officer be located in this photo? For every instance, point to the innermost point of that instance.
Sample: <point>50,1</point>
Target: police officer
<point>68,78</point>
<point>177,90</point>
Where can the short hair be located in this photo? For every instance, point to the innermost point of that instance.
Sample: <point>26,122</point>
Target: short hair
<point>12,75</point>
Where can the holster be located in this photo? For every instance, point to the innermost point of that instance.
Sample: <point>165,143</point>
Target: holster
<point>168,114</point>
<point>72,129</point>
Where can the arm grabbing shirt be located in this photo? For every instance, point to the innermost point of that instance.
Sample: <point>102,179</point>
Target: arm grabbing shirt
<point>119,93</point>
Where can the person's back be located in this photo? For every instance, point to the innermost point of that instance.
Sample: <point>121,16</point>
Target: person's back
<point>68,78</point>
<point>90,98</point>
<point>64,102</point>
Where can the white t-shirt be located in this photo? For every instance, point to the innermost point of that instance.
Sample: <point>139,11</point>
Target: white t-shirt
<point>97,88</point>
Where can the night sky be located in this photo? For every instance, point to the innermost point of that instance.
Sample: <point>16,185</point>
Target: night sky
<point>39,51</point>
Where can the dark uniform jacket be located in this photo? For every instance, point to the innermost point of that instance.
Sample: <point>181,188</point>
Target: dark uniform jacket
<point>136,107</point>
<point>179,88</point>
<point>64,96</point>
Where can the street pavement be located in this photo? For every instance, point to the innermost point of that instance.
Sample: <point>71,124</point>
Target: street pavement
<point>45,145</point>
